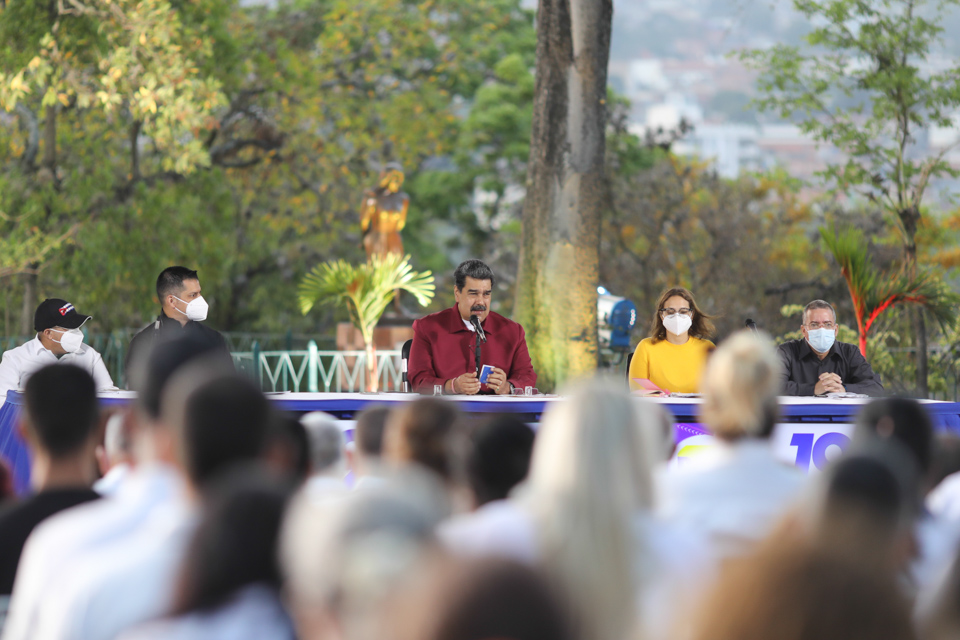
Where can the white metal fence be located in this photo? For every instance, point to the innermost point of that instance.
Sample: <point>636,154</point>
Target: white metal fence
<point>313,370</point>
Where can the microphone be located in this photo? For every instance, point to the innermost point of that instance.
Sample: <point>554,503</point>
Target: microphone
<point>475,321</point>
<point>750,324</point>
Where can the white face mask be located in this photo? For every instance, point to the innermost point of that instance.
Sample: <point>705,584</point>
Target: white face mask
<point>196,309</point>
<point>678,324</point>
<point>821,339</point>
<point>70,340</point>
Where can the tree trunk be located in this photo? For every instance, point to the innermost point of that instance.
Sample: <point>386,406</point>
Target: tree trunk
<point>910,218</point>
<point>29,301</point>
<point>557,285</point>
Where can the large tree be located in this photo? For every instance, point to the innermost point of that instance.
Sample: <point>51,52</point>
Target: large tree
<point>865,82</point>
<point>556,296</point>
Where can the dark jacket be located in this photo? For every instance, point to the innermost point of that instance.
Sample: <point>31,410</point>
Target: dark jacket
<point>167,328</point>
<point>802,368</point>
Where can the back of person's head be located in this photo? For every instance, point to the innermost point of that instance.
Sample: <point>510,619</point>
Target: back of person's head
<point>425,432</point>
<point>221,418</point>
<point>478,600</point>
<point>150,375</point>
<point>590,478</point>
<point>61,410</point>
<point>236,543</point>
<point>343,554</point>
<point>326,442</point>
<point>288,448</point>
<point>368,432</point>
<point>868,506</point>
<point>171,280</point>
<point>792,590</point>
<point>899,420</point>
<point>498,458</point>
<point>740,387</point>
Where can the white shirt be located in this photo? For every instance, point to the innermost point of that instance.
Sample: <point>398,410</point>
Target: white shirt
<point>733,495</point>
<point>500,528</point>
<point>129,583</point>
<point>20,363</point>
<point>110,484</point>
<point>944,500</point>
<point>671,564</point>
<point>937,538</point>
<point>254,612</point>
<point>70,535</point>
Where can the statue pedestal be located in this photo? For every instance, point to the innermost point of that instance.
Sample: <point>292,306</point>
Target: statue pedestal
<point>389,334</point>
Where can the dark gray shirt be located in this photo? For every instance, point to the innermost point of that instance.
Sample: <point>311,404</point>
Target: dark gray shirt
<point>802,368</point>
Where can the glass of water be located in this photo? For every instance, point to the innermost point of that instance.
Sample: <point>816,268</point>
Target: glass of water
<point>438,389</point>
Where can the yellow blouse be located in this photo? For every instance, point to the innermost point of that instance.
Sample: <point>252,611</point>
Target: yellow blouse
<point>674,367</point>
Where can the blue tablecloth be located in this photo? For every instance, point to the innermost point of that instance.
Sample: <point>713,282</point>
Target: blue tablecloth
<point>945,415</point>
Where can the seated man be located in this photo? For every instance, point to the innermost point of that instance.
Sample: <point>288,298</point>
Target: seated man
<point>59,424</point>
<point>444,343</point>
<point>182,310</point>
<point>59,341</point>
<point>818,364</point>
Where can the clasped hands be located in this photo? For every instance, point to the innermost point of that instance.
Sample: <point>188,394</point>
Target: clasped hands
<point>469,384</point>
<point>828,383</point>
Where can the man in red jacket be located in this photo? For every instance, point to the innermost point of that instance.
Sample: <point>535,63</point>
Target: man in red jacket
<point>444,343</point>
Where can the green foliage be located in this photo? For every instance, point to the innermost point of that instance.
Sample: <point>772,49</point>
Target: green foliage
<point>265,180</point>
<point>860,83</point>
<point>733,243</point>
<point>873,292</point>
<point>365,290</point>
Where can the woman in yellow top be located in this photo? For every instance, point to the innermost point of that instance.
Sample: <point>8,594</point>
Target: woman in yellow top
<point>675,354</point>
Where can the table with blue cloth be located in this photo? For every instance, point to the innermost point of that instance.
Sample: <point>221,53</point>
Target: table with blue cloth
<point>809,426</point>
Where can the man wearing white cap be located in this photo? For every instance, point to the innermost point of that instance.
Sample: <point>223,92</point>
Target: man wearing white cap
<point>58,341</point>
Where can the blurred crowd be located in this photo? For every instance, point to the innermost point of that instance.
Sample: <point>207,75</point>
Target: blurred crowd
<point>203,512</point>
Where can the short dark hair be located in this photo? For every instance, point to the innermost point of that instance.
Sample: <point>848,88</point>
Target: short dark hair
<point>62,410</point>
<point>476,269</point>
<point>171,280</point>
<point>288,441</point>
<point>225,422</point>
<point>166,357</point>
<point>235,543</point>
<point>426,432</point>
<point>496,598</point>
<point>868,484</point>
<point>368,433</point>
<point>817,304</point>
<point>903,421</point>
<point>499,457</point>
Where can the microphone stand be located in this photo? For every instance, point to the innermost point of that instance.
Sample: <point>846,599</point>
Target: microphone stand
<point>477,352</point>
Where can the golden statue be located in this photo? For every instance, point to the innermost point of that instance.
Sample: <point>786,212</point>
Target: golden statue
<point>384,213</point>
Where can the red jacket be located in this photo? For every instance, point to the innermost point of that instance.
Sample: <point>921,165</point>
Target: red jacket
<point>443,348</point>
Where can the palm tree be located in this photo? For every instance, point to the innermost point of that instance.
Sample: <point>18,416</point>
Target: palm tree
<point>365,290</point>
<point>873,291</point>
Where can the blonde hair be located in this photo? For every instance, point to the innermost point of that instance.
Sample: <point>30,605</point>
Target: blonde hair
<point>589,479</point>
<point>740,387</point>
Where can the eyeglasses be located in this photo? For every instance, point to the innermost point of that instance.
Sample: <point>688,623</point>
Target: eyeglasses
<point>684,311</point>
<point>820,325</point>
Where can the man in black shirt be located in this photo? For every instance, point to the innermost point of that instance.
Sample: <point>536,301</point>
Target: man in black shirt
<point>817,364</point>
<point>182,312</point>
<point>59,424</point>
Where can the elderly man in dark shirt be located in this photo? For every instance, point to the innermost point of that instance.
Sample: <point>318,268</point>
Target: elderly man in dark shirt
<point>817,364</point>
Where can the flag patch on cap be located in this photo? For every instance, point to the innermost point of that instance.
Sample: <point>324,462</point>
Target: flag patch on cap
<point>65,309</point>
